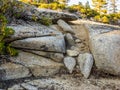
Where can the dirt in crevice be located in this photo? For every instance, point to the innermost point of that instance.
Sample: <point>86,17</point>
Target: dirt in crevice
<point>82,34</point>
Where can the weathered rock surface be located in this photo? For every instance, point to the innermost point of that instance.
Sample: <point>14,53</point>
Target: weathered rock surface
<point>85,62</point>
<point>58,57</point>
<point>38,66</point>
<point>27,12</point>
<point>65,26</point>
<point>96,29</point>
<point>56,27</point>
<point>55,15</point>
<point>31,29</point>
<point>106,51</point>
<point>70,63</point>
<point>16,87</point>
<point>104,45</point>
<point>28,86</point>
<point>50,43</point>
<point>13,71</point>
<point>37,37</point>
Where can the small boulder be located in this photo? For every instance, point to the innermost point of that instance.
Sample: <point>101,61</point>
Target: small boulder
<point>85,62</point>
<point>78,41</point>
<point>70,63</point>
<point>72,53</point>
<point>65,26</point>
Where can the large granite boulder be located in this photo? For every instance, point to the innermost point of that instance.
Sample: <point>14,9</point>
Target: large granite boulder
<point>26,65</point>
<point>38,66</point>
<point>31,29</point>
<point>105,47</point>
<point>53,44</point>
<point>55,15</point>
<point>37,37</point>
<point>29,12</point>
<point>42,46</point>
<point>13,71</point>
<point>106,51</point>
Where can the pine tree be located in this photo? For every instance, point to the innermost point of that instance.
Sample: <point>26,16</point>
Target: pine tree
<point>99,5</point>
<point>87,5</point>
<point>113,5</point>
<point>62,1</point>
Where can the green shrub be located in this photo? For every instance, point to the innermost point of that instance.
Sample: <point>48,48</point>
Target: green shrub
<point>61,6</point>
<point>75,8</point>
<point>5,33</point>
<point>97,18</point>
<point>113,18</point>
<point>54,6</point>
<point>43,6</point>
<point>46,21</point>
<point>105,19</point>
<point>4,5</point>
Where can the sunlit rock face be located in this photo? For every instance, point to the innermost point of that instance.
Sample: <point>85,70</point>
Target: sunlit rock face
<point>37,37</point>
<point>106,51</point>
<point>104,45</point>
